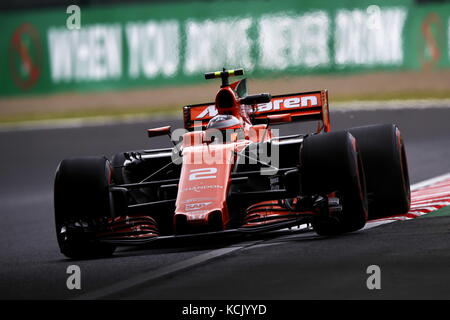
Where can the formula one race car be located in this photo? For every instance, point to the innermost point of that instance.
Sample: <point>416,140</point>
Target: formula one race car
<point>229,172</point>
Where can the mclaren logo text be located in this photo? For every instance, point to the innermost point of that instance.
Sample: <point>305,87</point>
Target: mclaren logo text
<point>288,103</point>
<point>285,103</point>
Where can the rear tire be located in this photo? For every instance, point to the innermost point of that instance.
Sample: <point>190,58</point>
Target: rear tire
<point>386,169</point>
<point>330,162</point>
<point>82,198</point>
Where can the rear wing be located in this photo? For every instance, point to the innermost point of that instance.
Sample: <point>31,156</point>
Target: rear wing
<point>304,106</point>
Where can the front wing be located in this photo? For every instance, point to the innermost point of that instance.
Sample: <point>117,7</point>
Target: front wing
<point>261,217</point>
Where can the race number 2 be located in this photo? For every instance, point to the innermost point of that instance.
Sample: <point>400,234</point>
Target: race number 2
<point>203,173</point>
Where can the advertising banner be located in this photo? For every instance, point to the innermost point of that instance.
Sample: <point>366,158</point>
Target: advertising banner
<point>141,46</point>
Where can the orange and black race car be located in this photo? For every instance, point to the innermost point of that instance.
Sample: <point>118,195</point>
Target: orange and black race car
<point>229,172</point>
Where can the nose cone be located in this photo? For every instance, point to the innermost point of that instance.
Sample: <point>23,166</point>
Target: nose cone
<point>198,222</point>
<point>205,179</point>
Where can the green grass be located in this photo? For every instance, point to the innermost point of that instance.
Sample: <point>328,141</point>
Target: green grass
<point>92,113</point>
<point>177,110</point>
<point>445,211</point>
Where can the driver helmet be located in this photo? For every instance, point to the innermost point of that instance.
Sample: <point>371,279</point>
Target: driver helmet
<point>224,122</point>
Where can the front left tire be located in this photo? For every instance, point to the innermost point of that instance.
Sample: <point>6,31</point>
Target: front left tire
<point>82,199</point>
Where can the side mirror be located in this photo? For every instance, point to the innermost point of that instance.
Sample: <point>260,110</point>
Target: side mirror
<point>155,132</point>
<point>279,118</point>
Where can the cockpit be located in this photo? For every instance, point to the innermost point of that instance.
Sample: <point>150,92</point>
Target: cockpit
<point>224,128</point>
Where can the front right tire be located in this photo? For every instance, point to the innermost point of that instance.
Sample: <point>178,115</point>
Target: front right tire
<point>331,164</point>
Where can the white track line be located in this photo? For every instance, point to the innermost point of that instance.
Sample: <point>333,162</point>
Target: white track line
<point>431,181</point>
<point>84,122</point>
<point>159,273</point>
<point>414,187</point>
<point>358,105</point>
<point>202,258</point>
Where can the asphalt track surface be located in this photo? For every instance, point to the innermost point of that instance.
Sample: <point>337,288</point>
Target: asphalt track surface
<point>414,256</point>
